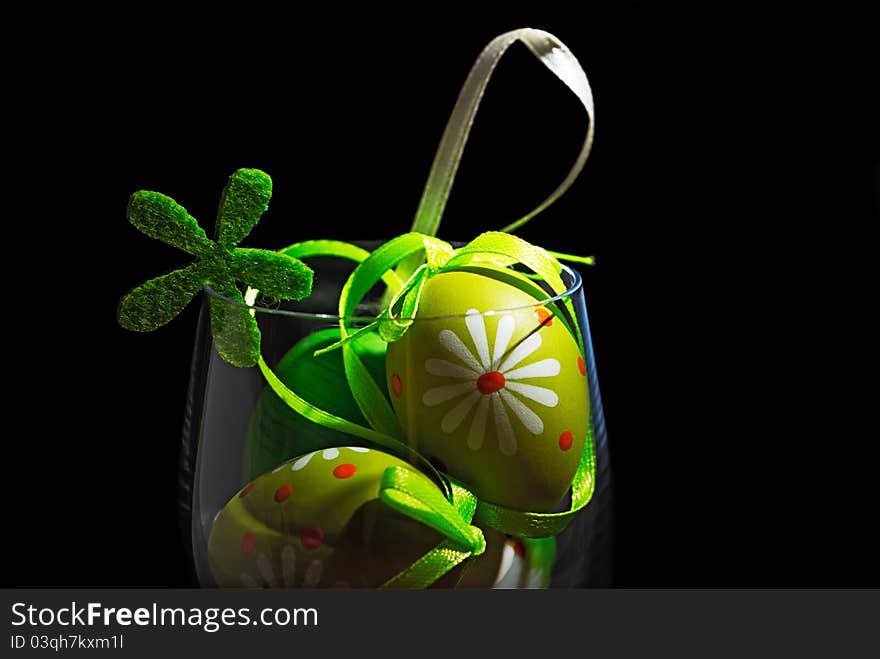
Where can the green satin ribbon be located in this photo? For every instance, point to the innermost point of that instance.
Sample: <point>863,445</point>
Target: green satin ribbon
<point>490,254</point>
<point>328,420</point>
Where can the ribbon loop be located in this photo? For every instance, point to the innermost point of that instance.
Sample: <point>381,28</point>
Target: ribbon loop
<point>437,252</point>
<point>553,54</point>
<point>400,312</point>
<point>412,494</point>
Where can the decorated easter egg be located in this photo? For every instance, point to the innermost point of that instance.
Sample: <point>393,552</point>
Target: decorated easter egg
<point>317,521</point>
<point>499,400</point>
<point>276,432</point>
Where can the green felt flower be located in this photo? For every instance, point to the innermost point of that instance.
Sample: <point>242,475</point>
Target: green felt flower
<point>220,264</point>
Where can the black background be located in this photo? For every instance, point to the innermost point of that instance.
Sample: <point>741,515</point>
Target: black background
<point>728,202</point>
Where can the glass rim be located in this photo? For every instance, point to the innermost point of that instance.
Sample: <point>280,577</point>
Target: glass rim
<point>576,285</point>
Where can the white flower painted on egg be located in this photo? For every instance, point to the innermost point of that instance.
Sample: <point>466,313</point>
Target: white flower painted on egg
<point>486,382</point>
<point>269,579</point>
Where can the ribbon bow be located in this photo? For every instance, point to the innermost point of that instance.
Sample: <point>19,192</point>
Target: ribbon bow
<point>413,494</point>
<point>219,264</point>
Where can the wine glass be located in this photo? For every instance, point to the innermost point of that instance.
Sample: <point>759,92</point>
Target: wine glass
<point>238,432</point>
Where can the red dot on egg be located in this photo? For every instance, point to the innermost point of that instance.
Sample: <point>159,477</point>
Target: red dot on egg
<point>248,543</point>
<point>312,537</point>
<point>519,548</point>
<point>544,317</point>
<point>283,492</point>
<point>489,383</point>
<point>344,471</point>
<point>247,489</point>
<point>581,367</point>
<point>396,385</point>
<point>565,440</point>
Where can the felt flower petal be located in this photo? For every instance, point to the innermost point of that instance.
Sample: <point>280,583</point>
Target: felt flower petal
<point>245,199</point>
<point>162,218</point>
<point>273,273</point>
<point>157,301</point>
<point>235,331</point>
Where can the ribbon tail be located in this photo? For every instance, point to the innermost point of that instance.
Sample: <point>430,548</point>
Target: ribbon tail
<point>429,568</point>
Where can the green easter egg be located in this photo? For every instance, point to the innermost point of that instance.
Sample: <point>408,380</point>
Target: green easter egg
<point>499,400</point>
<point>316,521</point>
<point>276,432</point>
